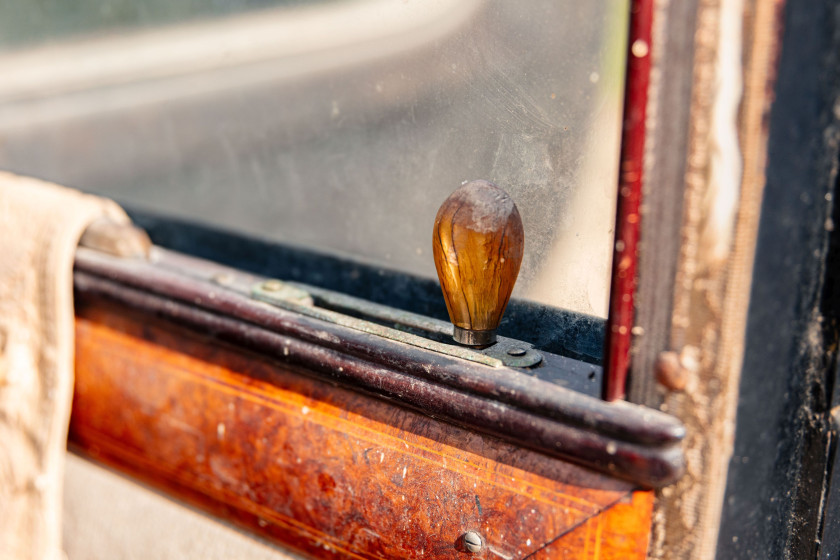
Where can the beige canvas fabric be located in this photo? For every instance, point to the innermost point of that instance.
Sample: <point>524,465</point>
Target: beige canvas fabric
<point>105,516</point>
<point>40,224</point>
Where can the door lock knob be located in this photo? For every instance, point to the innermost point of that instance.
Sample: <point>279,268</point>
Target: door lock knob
<point>477,246</point>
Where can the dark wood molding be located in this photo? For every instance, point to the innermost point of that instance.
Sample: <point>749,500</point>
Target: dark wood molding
<point>625,440</point>
<point>548,328</point>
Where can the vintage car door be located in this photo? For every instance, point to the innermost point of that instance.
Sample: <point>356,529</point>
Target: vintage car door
<point>280,355</point>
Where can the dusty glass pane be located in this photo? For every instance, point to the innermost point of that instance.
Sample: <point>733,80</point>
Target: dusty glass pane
<point>335,125</point>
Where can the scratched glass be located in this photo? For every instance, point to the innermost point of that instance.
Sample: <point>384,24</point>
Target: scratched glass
<point>335,125</point>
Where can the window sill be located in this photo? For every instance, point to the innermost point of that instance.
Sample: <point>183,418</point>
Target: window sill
<point>624,440</point>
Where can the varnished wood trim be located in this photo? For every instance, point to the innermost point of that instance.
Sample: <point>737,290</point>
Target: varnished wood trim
<point>626,440</point>
<point>620,533</point>
<point>298,460</point>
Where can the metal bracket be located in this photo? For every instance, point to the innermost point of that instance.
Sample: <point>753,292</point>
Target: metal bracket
<point>380,320</point>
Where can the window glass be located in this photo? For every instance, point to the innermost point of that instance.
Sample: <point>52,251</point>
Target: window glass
<point>335,125</point>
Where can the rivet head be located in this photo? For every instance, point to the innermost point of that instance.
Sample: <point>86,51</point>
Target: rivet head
<point>516,351</point>
<point>473,542</point>
<point>272,285</point>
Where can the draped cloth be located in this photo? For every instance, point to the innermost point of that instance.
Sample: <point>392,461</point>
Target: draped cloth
<point>45,493</point>
<point>40,226</point>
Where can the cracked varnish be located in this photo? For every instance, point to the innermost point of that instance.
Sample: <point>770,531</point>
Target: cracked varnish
<point>327,471</point>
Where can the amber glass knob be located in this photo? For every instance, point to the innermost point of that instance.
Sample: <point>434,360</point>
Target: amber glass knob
<point>477,245</point>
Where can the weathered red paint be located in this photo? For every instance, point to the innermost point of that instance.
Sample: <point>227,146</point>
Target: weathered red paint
<point>623,282</point>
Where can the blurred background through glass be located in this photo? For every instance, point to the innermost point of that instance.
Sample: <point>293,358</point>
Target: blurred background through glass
<point>339,126</point>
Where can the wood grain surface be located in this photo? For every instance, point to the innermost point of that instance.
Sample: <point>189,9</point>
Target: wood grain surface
<point>330,472</point>
<point>477,245</point>
<point>619,533</point>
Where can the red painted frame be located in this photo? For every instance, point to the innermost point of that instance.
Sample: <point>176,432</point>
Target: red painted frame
<point>623,281</point>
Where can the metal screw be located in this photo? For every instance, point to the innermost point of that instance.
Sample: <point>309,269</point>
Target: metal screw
<point>517,351</point>
<point>272,285</point>
<point>473,542</point>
